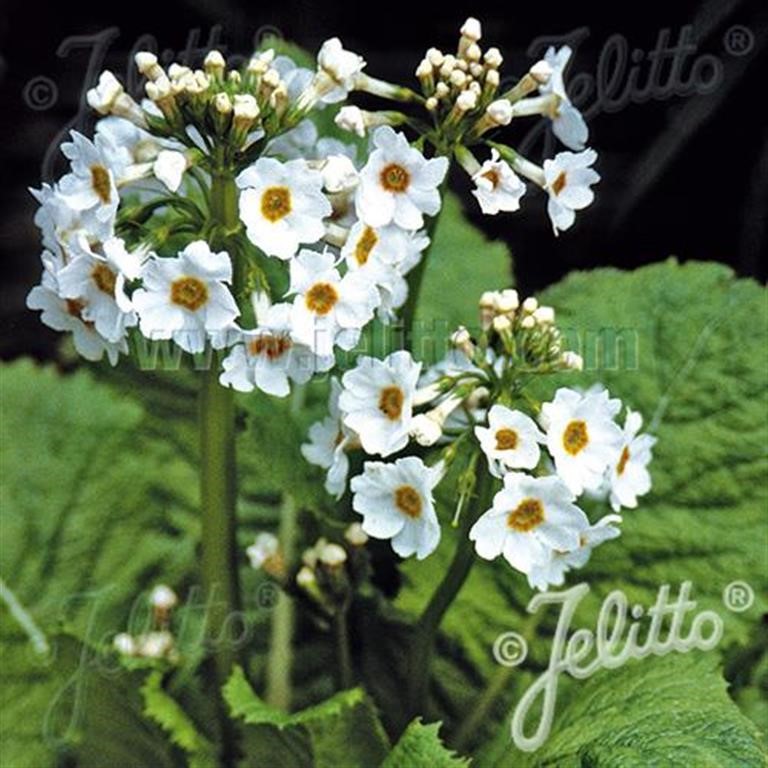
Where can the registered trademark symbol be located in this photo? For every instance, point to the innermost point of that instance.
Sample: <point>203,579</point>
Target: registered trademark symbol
<point>738,596</point>
<point>267,594</point>
<point>739,40</point>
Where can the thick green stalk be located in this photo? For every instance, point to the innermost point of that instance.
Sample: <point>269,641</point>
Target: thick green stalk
<point>418,663</point>
<point>218,491</point>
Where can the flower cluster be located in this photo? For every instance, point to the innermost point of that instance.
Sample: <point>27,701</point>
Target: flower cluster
<point>463,106</point>
<point>158,643</point>
<point>187,214</point>
<point>472,404</point>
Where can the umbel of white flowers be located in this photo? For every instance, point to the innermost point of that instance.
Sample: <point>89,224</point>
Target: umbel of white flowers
<point>546,458</point>
<point>132,251</point>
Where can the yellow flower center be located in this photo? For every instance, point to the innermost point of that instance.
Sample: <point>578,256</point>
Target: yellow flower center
<point>408,501</point>
<point>321,298</point>
<point>559,183</point>
<point>391,402</point>
<point>506,440</point>
<point>104,278</point>
<point>273,347</point>
<point>575,437</point>
<point>493,176</point>
<point>189,292</point>
<point>101,183</point>
<point>623,459</point>
<point>75,307</point>
<point>275,203</point>
<point>365,245</point>
<point>526,516</point>
<point>395,178</point>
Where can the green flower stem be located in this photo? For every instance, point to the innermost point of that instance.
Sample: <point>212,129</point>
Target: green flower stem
<point>418,663</point>
<point>218,492</point>
<point>343,656</point>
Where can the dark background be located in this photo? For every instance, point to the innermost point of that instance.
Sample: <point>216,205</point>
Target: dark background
<point>685,172</point>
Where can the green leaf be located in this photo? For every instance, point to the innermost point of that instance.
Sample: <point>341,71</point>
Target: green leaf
<point>420,747</point>
<point>168,714</point>
<point>461,265</point>
<point>343,731</point>
<point>672,710</point>
<point>89,501</point>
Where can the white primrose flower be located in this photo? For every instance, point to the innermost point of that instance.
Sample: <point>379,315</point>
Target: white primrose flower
<point>185,298</point>
<point>282,205</point>
<point>552,572</point>
<point>530,517</point>
<point>398,184</point>
<point>342,67</point>
<point>67,315</point>
<point>568,124</point>
<point>169,167</point>
<point>329,440</point>
<point>377,401</point>
<point>582,436</point>
<point>295,78</point>
<point>396,503</point>
<point>385,255</point>
<point>98,281</point>
<point>629,476</point>
<point>328,309</point>
<point>265,546</point>
<point>568,179</point>
<point>510,441</point>
<point>91,184</point>
<point>61,225</point>
<point>266,358</point>
<point>499,188</point>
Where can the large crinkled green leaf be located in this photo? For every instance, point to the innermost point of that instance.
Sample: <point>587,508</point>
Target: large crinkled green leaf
<point>342,732</point>
<point>89,504</point>
<point>686,346</point>
<point>668,711</point>
<point>420,747</point>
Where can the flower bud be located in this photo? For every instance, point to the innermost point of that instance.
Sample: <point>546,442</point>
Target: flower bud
<point>147,65</point>
<point>472,30</point>
<point>500,112</point>
<point>541,72</point>
<point>355,535</point>
<point>544,315</point>
<point>493,58</point>
<point>123,643</point>
<point>214,64</point>
<point>333,556</point>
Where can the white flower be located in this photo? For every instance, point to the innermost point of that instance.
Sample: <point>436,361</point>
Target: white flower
<point>568,179</point>
<point>91,184</point>
<point>530,517</point>
<point>377,401</point>
<point>298,143</point>
<point>552,572</point>
<point>328,443</point>
<point>385,255</point>
<point>61,225</point>
<point>350,118</point>
<point>265,547</point>
<point>397,183</point>
<point>341,66</point>
<point>163,597</point>
<point>169,168</point>
<point>510,441</point>
<point>67,315</point>
<point>629,476</point>
<point>582,436</point>
<point>282,205</point>
<point>568,124</point>
<point>98,281</point>
<point>396,503</point>
<point>499,188</point>
<point>185,297</point>
<point>267,357</point>
<point>328,309</point>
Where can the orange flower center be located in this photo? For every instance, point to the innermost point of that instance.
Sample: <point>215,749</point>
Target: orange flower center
<point>272,347</point>
<point>275,203</point>
<point>391,402</point>
<point>575,437</point>
<point>506,440</point>
<point>408,501</point>
<point>395,178</point>
<point>623,459</point>
<point>104,278</point>
<point>365,245</point>
<point>189,292</point>
<point>101,183</point>
<point>559,183</point>
<point>526,516</point>
<point>321,298</point>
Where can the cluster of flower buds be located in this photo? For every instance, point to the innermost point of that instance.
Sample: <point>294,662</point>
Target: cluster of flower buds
<point>327,576</point>
<point>157,643</point>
